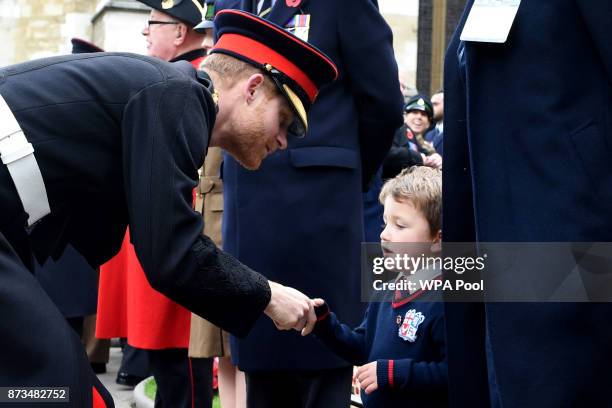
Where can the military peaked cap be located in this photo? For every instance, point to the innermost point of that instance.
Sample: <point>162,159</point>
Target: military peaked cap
<point>420,103</point>
<point>190,12</point>
<point>80,46</point>
<point>297,68</point>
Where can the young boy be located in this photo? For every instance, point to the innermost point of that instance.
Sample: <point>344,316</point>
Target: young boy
<point>400,344</point>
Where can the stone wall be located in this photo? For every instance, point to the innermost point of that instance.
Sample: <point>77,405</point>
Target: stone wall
<point>8,18</point>
<point>38,28</point>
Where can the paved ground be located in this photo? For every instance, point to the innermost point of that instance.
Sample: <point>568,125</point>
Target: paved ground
<point>123,396</point>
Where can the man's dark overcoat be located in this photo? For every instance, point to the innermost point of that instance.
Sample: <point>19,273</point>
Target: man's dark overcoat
<point>299,217</point>
<point>118,138</point>
<point>527,147</point>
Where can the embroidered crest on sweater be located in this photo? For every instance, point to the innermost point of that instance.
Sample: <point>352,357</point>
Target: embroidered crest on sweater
<point>410,325</point>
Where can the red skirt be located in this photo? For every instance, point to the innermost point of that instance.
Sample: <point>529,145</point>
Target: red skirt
<point>129,307</point>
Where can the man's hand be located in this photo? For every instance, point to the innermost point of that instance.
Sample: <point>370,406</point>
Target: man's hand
<point>366,376</point>
<point>290,309</point>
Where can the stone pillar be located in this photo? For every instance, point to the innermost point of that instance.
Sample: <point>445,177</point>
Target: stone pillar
<point>117,25</point>
<point>437,22</point>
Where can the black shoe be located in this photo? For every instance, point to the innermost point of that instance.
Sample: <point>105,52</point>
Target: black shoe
<point>98,368</point>
<point>128,379</point>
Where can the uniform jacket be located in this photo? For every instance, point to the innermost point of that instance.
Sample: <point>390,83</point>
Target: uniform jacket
<point>299,217</point>
<point>128,306</point>
<point>129,133</point>
<point>528,134</point>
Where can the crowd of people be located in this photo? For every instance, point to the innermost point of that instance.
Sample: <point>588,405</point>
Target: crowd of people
<point>178,139</point>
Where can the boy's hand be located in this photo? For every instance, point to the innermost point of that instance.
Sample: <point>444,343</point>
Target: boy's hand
<point>366,375</point>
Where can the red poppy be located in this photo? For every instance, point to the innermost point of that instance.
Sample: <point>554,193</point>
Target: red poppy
<point>409,134</point>
<point>293,3</point>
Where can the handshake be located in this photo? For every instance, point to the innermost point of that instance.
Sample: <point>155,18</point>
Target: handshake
<point>291,309</point>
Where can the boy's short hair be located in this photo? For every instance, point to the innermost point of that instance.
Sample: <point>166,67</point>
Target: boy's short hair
<point>422,186</point>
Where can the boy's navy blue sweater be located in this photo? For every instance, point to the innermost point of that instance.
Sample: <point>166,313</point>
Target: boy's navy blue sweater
<point>406,338</point>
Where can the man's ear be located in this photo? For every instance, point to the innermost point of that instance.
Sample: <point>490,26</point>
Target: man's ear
<point>253,87</point>
<point>181,34</point>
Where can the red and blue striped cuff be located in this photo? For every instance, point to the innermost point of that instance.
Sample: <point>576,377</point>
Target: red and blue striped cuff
<point>385,375</point>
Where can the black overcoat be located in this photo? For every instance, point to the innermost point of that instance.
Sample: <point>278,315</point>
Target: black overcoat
<point>118,139</point>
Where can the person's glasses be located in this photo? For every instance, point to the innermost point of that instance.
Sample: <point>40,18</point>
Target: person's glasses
<point>153,22</point>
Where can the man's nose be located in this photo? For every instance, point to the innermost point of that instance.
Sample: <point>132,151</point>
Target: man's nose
<point>145,30</point>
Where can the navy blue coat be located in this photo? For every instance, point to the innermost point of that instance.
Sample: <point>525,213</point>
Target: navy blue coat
<point>528,134</point>
<point>298,219</point>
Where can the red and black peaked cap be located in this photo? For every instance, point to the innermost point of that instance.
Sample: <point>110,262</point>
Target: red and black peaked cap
<point>298,69</point>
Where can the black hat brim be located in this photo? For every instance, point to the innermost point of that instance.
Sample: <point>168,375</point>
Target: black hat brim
<point>184,10</point>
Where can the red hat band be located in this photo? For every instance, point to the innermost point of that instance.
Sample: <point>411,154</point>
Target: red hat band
<point>263,54</point>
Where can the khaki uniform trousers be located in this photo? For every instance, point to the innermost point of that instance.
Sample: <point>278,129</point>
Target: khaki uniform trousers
<point>206,339</point>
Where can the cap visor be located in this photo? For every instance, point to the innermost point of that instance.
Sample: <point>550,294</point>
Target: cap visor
<point>203,26</point>
<point>297,107</point>
<point>415,107</point>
